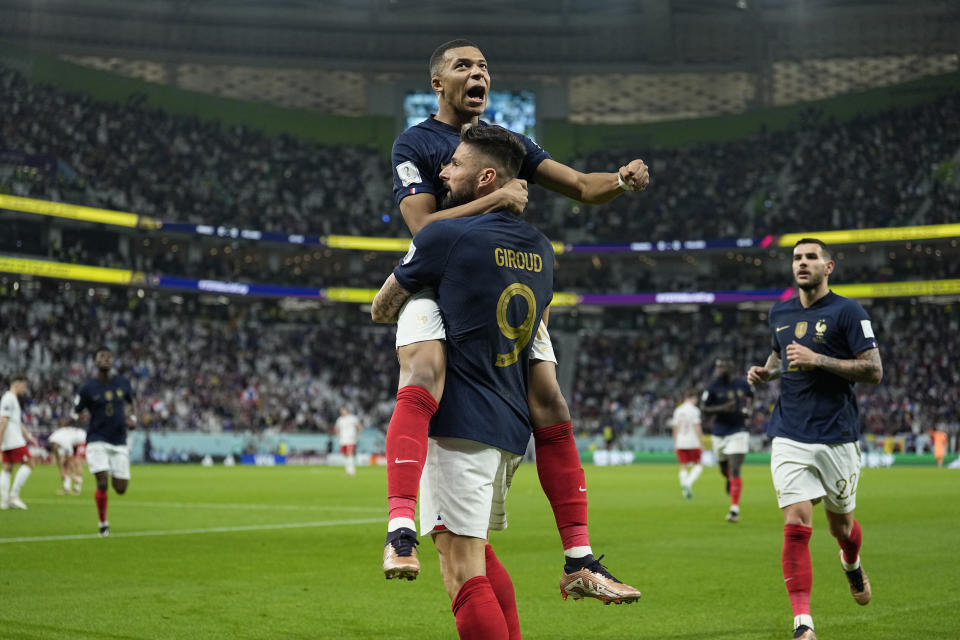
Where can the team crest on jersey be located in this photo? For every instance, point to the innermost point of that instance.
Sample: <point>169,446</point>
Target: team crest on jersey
<point>408,173</point>
<point>120,393</point>
<point>821,328</point>
<point>108,395</point>
<point>801,329</point>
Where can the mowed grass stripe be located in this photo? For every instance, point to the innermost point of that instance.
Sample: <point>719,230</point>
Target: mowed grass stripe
<point>186,532</point>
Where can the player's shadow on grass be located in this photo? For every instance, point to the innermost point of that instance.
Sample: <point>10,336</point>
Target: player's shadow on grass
<point>21,630</point>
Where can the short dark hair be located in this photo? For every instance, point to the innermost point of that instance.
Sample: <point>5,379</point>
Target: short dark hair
<point>498,145</point>
<point>103,348</point>
<point>436,60</point>
<point>18,376</point>
<point>827,253</point>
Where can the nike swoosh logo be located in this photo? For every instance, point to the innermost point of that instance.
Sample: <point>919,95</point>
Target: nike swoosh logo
<point>787,579</point>
<point>582,489</point>
<point>399,461</point>
<point>779,329</point>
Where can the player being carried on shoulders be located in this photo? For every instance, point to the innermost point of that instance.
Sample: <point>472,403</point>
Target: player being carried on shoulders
<point>461,80</point>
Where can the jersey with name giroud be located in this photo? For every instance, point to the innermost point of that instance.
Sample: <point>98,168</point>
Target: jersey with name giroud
<point>816,406</point>
<point>493,277</point>
<point>105,401</point>
<point>421,152</point>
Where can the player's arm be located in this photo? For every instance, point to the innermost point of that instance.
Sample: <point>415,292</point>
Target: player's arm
<point>386,305</point>
<point>3,426</point>
<point>866,367</point>
<point>29,437</point>
<point>710,409</point>
<point>132,416</point>
<point>420,209</point>
<point>769,371</point>
<point>592,188</point>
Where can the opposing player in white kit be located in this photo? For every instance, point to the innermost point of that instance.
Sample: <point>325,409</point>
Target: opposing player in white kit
<point>347,427</point>
<point>68,447</point>
<point>461,80</point>
<point>687,434</point>
<point>822,344</point>
<point>13,439</point>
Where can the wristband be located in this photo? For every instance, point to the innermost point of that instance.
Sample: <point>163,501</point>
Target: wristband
<point>624,185</point>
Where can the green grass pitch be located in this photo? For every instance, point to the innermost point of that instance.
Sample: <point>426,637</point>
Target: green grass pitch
<point>292,552</point>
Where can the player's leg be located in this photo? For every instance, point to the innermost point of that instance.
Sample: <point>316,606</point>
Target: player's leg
<point>20,479</point>
<point>75,473</point>
<point>797,485</point>
<point>98,462</point>
<point>564,483</point>
<point>119,468</point>
<point>62,460</point>
<point>502,587</point>
<point>5,476</point>
<point>475,605</point>
<point>735,462</point>
<point>423,364</point>
<point>839,467</point>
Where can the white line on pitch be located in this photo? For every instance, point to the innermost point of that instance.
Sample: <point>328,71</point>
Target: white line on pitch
<point>71,501</point>
<point>186,532</point>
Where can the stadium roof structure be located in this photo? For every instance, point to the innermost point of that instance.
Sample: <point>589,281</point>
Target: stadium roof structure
<point>533,36</point>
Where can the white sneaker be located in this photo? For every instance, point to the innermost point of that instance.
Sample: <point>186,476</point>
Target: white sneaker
<point>17,503</point>
<point>4,506</point>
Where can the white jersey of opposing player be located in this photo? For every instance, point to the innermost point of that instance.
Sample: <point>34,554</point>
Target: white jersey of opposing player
<point>10,409</point>
<point>686,418</point>
<point>67,438</point>
<point>347,427</point>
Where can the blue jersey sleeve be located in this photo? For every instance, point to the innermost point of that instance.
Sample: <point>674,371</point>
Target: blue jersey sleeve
<point>535,155</point>
<point>127,391</point>
<point>82,400</point>
<point>413,170</point>
<point>858,328</point>
<point>424,263</point>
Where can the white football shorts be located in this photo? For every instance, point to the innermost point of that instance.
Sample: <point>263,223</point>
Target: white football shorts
<point>464,487</point>
<point>732,444</point>
<point>804,471</point>
<point>420,321</point>
<point>115,458</point>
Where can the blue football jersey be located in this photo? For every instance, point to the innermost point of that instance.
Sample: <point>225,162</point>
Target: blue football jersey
<point>719,392</point>
<point>105,401</point>
<point>493,277</point>
<point>815,405</point>
<point>421,152</point>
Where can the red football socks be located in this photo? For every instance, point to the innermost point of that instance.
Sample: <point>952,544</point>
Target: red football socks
<point>851,546</point>
<point>797,570</point>
<point>503,588</point>
<point>100,497</point>
<point>563,482</point>
<point>407,449</point>
<point>736,486</point>
<point>478,613</point>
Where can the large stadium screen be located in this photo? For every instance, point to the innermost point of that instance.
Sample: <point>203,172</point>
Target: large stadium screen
<point>515,110</point>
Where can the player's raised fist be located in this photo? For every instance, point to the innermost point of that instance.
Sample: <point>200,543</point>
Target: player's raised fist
<point>636,175</point>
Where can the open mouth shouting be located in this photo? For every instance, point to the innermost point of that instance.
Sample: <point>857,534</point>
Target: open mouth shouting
<point>476,97</point>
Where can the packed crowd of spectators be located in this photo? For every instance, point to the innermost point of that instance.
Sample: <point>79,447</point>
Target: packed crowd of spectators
<point>253,366</point>
<point>194,366</point>
<point>886,169</point>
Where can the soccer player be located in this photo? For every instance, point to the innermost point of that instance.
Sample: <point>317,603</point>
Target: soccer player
<point>822,345</point>
<point>347,426</point>
<point>686,440</point>
<point>108,456</point>
<point>460,78</point>
<point>939,439</point>
<point>727,400</point>
<point>13,439</point>
<point>68,446</point>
